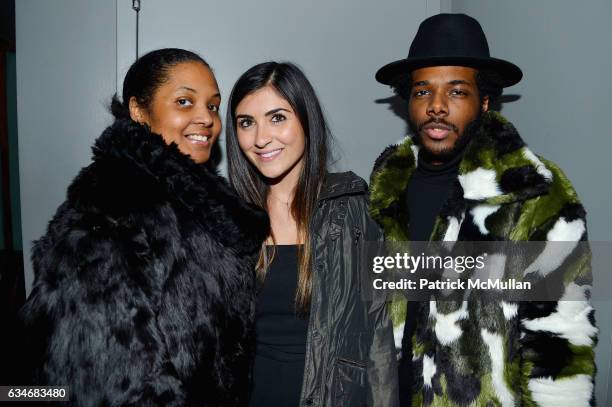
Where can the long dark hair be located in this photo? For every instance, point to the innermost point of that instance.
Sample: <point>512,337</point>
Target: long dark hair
<point>147,74</point>
<point>291,83</point>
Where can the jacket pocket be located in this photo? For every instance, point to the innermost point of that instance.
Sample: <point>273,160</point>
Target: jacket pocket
<point>349,383</point>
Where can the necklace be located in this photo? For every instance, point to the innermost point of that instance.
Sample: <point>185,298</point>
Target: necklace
<point>286,203</point>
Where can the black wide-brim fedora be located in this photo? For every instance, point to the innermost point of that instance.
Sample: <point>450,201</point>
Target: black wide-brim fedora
<point>450,39</point>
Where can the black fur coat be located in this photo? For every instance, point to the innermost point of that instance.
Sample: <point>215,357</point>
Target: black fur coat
<point>144,281</point>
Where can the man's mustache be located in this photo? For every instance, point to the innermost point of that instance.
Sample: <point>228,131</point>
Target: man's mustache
<point>438,123</point>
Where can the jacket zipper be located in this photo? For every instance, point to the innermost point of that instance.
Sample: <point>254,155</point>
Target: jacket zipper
<point>314,299</point>
<point>351,362</point>
<point>357,232</point>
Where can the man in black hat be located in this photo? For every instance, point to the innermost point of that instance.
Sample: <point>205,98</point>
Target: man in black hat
<point>466,175</point>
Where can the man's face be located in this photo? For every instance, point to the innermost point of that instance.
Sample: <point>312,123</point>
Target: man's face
<point>444,100</point>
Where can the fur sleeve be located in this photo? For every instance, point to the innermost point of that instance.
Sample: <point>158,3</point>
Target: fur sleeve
<point>81,314</point>
<point>558,338</point>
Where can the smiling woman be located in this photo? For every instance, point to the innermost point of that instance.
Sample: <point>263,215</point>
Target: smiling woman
<point>185,110</point>
<point>319,353</point>
<point>271,135</point>
<point>144,289</point>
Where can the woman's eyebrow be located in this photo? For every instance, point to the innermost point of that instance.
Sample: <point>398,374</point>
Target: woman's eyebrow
<point>278,109</point>
<point>188,89</point>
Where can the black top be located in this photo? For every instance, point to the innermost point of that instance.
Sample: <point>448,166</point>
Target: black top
<point>281,335</point>
<point>428,189</point>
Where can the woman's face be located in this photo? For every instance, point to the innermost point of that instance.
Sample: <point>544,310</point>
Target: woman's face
<point>270,134</point>
<point>185,110</point>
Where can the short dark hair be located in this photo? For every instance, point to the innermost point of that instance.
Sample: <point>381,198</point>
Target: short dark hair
<point>489,83</point>
<point>146,74</point>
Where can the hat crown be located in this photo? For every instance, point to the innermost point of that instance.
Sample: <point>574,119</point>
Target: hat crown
<point>449,35</point>
<point>450,39</point>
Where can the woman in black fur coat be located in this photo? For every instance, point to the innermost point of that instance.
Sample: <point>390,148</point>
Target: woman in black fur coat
<point>144,288</point>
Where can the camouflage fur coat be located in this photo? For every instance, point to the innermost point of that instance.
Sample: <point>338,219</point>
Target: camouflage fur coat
<point>500,353</point>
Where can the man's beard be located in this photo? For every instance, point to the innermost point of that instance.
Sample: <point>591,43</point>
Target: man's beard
<point>447,154</point>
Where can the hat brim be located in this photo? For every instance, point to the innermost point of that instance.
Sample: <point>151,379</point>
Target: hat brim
<point>510,73</point>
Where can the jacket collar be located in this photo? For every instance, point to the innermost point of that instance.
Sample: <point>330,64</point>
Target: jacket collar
<point>496,168</point>
<point>342,183</point>
<point>134,168</point>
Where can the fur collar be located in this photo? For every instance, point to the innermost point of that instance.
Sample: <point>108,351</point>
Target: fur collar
<point>133,169</point>
<point>497,168</point>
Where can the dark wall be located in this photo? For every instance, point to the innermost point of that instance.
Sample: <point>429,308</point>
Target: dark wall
<point>7,21</point>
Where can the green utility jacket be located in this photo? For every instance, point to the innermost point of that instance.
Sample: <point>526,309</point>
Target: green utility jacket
<point>350,353</point>
<point>478,353</point>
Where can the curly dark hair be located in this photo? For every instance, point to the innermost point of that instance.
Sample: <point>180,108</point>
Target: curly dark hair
<point>489,84</point>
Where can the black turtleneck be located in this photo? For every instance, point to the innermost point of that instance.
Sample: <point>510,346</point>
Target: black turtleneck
<point>428,189</point>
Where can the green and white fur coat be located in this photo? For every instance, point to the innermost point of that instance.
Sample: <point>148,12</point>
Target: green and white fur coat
<point>472,353</point>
